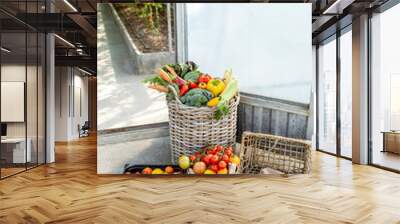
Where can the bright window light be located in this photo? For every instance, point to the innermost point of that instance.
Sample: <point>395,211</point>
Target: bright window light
<point>5,50</point>
<point>84,71</point>
<point>70,5</point>
<point>64,40</point>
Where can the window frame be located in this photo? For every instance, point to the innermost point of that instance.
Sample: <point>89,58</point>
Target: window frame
<point>334,37</point>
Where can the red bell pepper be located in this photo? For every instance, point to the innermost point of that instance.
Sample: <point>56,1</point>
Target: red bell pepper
<point>192,85</point>
<point>183,90</point>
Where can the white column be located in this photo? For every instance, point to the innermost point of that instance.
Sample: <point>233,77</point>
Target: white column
<point>50,99</point>
<point>50,92</point>
<point>181,34</point>
<point>360,90</point>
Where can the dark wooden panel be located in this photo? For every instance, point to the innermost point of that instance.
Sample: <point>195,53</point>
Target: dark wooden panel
<point>266,121</point>
<point>267,116</point>
<point>279,122</point>
<point>257,119</point>
<point>297,126</point>
<point>248,125</point>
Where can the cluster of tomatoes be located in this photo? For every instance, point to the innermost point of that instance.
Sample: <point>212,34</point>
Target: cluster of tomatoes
<point>216,159</point>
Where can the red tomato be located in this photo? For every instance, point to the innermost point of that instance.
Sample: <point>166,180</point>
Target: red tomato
<point>192,157</point>
<point>222,164</point>
<point>214,159</point>
<point>228,152</point>
<point>214,168</point>
<point>219,148</point>
<point>204,78</point>
<point>197,153</point>
<point>206,159</point>
<point>225,158</point>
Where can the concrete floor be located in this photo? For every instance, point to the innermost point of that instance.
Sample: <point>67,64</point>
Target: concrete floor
<point>123,101</point>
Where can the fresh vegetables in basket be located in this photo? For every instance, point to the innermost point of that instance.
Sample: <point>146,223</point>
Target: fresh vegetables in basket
<point>211,160</point>
<point>188,85</point>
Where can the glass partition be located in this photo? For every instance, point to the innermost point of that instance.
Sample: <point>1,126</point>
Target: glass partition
<point>385,89</point>
<point>22,88</point>
<point>346,93</point>
<point>14,153</point>
<point>327,96</point>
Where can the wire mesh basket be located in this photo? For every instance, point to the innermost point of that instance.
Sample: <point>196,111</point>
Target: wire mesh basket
<point>193,128</point>
<point>258,151</point>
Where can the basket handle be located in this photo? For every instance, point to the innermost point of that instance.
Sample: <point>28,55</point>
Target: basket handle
<point>175,94</point>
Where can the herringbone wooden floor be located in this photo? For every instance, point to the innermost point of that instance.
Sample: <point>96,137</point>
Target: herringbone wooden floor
<point>69,191</point>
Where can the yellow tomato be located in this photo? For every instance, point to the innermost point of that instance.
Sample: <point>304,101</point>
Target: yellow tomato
<point>157,171</point>
<point>209,172</point>
<point>223,171</point>
<point>235,159</point>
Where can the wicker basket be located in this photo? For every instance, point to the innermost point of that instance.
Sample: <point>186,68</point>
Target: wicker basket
<point>258,151</point>
<point>193,128</point>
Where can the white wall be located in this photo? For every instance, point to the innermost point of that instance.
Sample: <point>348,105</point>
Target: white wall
<point>70,82</point>
<point>268,46</point>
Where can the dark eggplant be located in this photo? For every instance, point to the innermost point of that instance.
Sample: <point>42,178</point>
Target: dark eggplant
<point>192,66</point>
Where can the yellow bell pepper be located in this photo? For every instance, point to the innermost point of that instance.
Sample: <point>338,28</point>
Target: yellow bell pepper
<point>213,102</point>
<point>216,86</point>
<point>202,85</point>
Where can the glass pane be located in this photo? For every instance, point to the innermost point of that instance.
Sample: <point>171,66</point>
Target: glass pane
<point>346,94</point>
<point>327,96</point>
<point>13,89</point>
<point>386,89</point>
<point>269,56</point>
<point>123,100</point>
<point>31,98</point>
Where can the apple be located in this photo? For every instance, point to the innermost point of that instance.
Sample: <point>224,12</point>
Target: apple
<point>199,167</point>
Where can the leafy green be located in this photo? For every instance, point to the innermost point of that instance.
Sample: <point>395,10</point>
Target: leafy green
<point>192,76</point>
<point>155,80</point>
<point>196,97</point>
<point>184,69</point>
<point>221,111</point>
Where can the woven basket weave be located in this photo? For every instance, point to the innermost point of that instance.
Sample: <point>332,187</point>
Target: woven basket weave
<point>258,151</point>
<point>193,128</point>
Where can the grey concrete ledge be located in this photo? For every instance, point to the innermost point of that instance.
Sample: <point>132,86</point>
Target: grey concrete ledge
<point>127,134</point>
<point>276,104</point>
